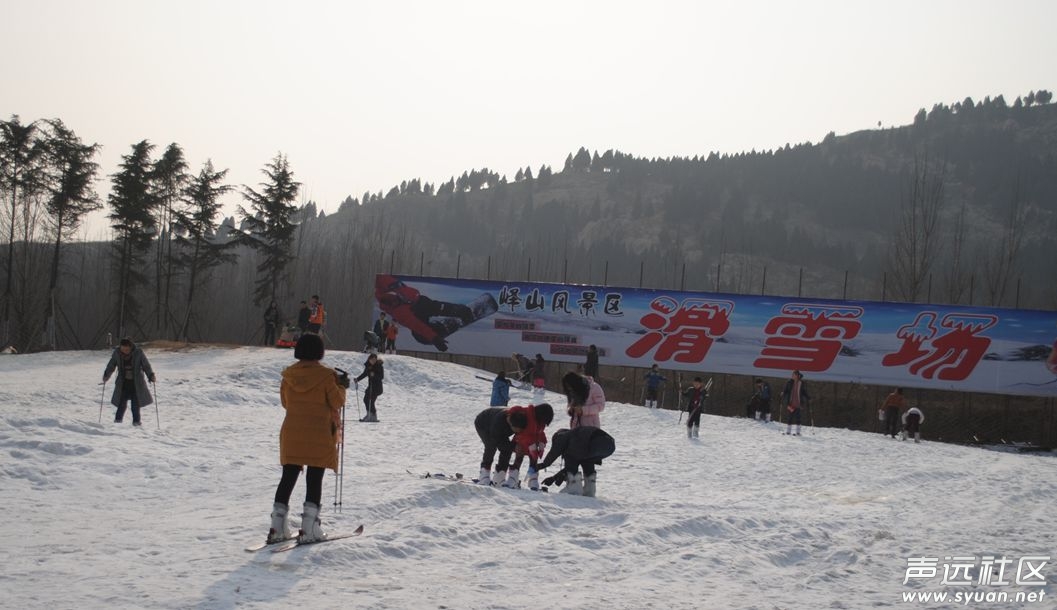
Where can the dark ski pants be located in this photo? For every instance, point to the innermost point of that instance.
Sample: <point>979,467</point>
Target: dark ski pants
<point>694,419</point>
<point>369,400</point>
<point>794,417</point>
<point>128,394</point>
<point>892,421</point>
<point>269,334</point>
<point>313,483</point>
<point>571,466</point>
<point>913,424</point>
<point>494,432</point>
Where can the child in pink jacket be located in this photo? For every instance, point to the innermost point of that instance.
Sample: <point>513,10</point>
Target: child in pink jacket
<point>586,400</point>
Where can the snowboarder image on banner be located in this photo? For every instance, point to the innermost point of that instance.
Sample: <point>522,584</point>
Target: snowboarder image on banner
<point>1051,361</point>
<point>584,447</point>
<point>430,321</point>
<point>312,396</point>
<point>912,421</point>
<point>517,431</point>
<point>130,386</point>
<point>586,400</point>
<point>795,397</point>
<point>894,404</point>
<point>695,396</point>
<point>375,374</point>
<point>500,390</point>
<point>654,379</point>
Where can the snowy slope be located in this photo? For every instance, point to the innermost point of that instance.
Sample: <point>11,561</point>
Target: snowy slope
<point>108,516</point>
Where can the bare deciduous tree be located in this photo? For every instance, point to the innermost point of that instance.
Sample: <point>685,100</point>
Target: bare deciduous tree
<point>916,242</point>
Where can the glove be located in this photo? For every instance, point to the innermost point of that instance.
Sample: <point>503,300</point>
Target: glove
<point>153,378</point>
<point>343,378</point>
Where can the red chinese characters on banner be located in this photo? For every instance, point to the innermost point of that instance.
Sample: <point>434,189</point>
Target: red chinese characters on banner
<point>683,332</point>
<point>808,337</point>
<point>950,354</point>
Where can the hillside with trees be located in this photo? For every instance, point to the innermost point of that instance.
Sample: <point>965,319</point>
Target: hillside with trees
<point>958,206</point>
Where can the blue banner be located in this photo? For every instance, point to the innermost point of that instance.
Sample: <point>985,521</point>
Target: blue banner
<point>944,347</point>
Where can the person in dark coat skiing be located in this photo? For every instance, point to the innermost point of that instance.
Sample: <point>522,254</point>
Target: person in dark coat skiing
<point>695,404</point>
<point>130,386</point>
<point>271,322</point>
<point>795,397</point>
<point>500,390</point>
<point>312,395</point>
<point>526,425</point>
<point>893,405</point>
<point>375,374</point>
<point>584,447</point>
<point>381,328</point>
<point>591,366</point>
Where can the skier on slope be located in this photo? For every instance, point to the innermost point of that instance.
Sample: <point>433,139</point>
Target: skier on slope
<point>375,374</point>
<point>586,400</point>
<point>524,366</point>
<point>317,315</point>
<point>695,396</point>
<point>762,398</point>
<point>583,447</point>
<point>495,428</point>
<point>500,390</point>
<point>539,374</point>
<point>312,395</point>
<point>653,383</point>
<point>130,385</point>
<point>413,310</point>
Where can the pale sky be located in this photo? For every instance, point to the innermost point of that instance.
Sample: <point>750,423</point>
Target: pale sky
<point>362,97</point>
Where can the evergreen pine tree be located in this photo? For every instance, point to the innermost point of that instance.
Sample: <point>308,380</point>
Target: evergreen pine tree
<point>270,228</point>
<point>133,202</point>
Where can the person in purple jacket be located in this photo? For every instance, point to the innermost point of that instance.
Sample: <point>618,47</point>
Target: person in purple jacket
<point>586,400</point>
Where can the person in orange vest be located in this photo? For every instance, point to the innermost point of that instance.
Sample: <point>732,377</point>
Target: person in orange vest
<point>390,338</point>
<point>316,317</point>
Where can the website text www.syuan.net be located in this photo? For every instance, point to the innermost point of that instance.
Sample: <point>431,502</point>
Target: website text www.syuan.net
<point>966,598</point>
<point>971,580</point>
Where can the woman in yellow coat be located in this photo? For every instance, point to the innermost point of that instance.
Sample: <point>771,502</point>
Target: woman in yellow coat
<point>312,395</point>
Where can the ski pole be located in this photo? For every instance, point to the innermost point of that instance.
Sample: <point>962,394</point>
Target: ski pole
<point>101,397</point>
<point>157,413</point>
<point>339,480</point>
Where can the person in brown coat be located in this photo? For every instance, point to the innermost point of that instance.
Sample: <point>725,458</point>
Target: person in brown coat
<point>312,395</point>
<point>893,405</point>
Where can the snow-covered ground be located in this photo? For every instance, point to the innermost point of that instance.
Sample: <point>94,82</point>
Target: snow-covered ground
<point>102,515</point>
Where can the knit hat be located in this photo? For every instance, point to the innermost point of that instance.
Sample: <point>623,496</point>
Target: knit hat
<point>309,347</point>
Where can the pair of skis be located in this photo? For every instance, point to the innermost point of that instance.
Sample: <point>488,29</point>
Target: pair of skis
<point>291,543</point>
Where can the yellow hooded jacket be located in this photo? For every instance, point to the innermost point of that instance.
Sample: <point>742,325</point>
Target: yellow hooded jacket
<point>312,398</point>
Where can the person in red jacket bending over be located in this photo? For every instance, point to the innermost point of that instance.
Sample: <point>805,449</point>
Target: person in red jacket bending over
<point>413,310</point>
<point>525,424</point>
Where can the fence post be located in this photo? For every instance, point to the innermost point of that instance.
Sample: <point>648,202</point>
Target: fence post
<point>800,284</point>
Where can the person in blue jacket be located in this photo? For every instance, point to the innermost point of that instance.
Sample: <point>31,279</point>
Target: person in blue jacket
<point>500,390</point>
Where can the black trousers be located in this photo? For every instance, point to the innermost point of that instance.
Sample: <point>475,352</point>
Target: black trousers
<point>128,394</point>
<point>571,466</point>
<point>313,484</point>
<point>694,419</point>
<point>892,421</point>
<point>369,398</point>
<point>495,432</point>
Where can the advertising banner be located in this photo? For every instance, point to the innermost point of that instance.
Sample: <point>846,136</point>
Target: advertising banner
<point>946,347</point>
